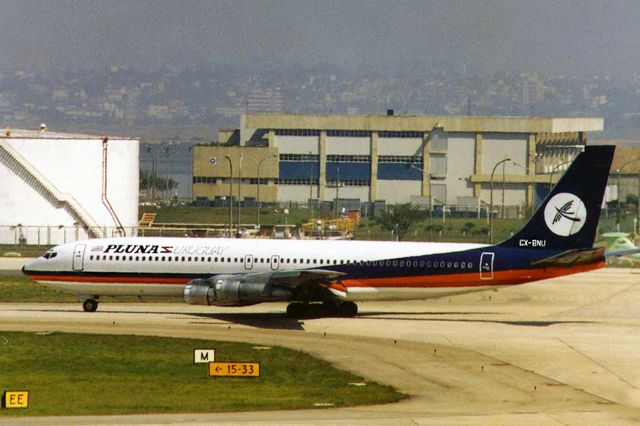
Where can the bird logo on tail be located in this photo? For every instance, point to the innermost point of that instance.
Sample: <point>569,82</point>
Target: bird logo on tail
<point>565,214</point>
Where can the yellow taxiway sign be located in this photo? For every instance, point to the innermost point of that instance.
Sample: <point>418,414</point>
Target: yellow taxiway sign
<point>234,369</point>
<point>16,399</point>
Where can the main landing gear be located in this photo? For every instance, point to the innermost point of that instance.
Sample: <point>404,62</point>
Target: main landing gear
<point>90,305</point>
<point>325,309</point>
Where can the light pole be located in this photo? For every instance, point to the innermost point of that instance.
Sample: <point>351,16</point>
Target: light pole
<point>336,185</point>
<point>553,172</point>
<point>167,152</point>
<point>619,209</point>
<point>311,186</point>
<point>337,190</point>
<point>230,194</point>
<point>430,200</point>
<point>527,171</point>
<point>258,164</point>
<point>239,191</point>
<point>150,179</point>
<point>503,188</point>
<point>491,198</point>
<point>213,161</point>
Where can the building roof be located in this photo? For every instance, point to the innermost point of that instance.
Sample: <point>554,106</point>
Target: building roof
<point>8,133</point>
<point>500,124</point>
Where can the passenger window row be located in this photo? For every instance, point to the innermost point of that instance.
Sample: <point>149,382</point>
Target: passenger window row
<point>258,260</point>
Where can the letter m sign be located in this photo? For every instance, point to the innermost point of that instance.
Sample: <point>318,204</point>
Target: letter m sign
<point>203,356</point>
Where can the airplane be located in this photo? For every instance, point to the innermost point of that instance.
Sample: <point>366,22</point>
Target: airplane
<point>619,242</point>
<point>557,240</point>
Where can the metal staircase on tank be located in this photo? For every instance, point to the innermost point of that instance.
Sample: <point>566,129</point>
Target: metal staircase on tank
<point>29,174</point>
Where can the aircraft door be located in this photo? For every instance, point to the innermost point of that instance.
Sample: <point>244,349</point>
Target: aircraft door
<point>275,262</point>
<point>78,257</point>
<point>486,266</point>
<point>248,262</point>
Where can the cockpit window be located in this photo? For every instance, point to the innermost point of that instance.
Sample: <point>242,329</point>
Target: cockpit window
<point>50,255</point>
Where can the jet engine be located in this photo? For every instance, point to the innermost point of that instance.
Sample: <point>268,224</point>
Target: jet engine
<point>234,290</point>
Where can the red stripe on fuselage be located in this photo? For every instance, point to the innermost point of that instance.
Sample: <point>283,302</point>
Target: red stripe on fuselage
<point>471,279</point>
<point>109,279</point>
<point>508,277</point>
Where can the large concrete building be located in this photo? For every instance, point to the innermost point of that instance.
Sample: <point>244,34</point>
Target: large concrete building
<point>446,159</point>
<point>59,187</point>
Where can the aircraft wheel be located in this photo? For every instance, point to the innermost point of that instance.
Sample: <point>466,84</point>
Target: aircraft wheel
<point>297,310</point>
<point>348,309</point>
<point>90,305</point>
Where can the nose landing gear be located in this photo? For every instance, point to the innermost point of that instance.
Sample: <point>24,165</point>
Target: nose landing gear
<point>90,305</point>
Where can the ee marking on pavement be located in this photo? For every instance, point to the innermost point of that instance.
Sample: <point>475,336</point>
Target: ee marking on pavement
<point>234,369</point>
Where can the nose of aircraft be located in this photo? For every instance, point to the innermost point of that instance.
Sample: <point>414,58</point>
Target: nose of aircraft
<point>28,267</point>
<point>31,266</point>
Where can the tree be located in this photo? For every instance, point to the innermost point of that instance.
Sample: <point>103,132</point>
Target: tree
<point>400,219</point>
<point>468,226</point>
<point>159,183</point>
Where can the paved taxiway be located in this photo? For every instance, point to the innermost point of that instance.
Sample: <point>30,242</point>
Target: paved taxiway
<point>562,351</point>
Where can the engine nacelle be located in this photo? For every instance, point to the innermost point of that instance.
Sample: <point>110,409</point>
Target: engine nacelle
<point>234,290</point>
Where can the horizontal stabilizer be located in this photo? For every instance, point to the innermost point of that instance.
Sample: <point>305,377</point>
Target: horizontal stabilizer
<point>617,253</point>
<point>571,258</point>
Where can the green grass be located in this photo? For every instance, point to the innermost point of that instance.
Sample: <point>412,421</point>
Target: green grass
<point>24,249</point>
<point>22,289</point>
<point>19,289</point>
<point>79,374</point>
<point>218,215</point>
<point>451,230</point>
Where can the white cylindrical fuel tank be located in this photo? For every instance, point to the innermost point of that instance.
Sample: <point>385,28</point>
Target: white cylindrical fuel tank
<point>62,187</point>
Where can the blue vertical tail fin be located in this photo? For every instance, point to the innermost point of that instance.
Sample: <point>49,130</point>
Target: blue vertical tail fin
<point>568,217</point>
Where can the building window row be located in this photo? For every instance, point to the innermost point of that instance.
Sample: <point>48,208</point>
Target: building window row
<point>297,181</point>
<point>349,158</point>
<point>204,179</point>
<point>297,132</point>
<point>400,134</point>
<point>349,133</point>
<point>349,182</point>
<point>411,159</point>
<point>335,158</point>
<point>299,157</point>
<point>254,181</point>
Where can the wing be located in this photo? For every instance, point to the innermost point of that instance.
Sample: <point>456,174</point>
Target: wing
<point>297,277</point>
<point>305,283</point>
<point>572,257</point>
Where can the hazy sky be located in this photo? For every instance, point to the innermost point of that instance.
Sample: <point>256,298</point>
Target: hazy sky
<point>558,36</point>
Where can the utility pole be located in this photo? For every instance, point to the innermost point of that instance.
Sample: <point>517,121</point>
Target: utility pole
<point>337,191</point>
<point>503,188</point>
<point>258,183</point>
<point>230,194</point>
<point>491,198</point>
<point>167,152</point>
<point>311,185</point>
<point>239,192</point>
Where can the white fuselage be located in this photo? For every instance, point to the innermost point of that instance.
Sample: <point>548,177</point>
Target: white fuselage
<point>163,266</point>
